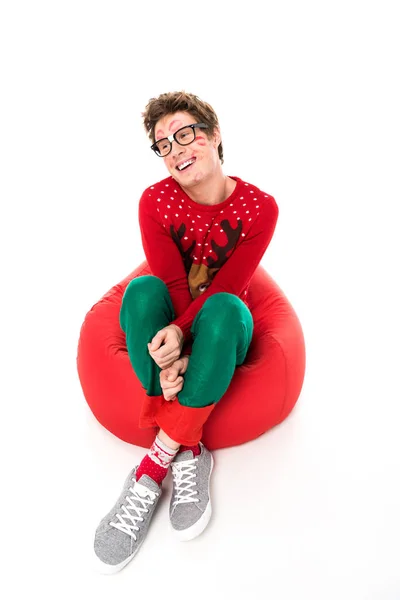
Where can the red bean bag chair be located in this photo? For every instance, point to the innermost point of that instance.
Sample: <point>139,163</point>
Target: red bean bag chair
<point>263,390</point>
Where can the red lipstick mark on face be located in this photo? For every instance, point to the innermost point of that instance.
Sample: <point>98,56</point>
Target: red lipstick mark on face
<point>200,139</point>
<point>159,134</point>
<point>175,123</point>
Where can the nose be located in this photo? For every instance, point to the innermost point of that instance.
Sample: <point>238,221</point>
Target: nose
<point>177,149</point>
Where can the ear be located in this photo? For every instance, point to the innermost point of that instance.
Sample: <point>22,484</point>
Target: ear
<point>216,136</point>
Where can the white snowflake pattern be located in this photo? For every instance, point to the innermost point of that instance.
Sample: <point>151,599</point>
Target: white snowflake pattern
<point>201,230</point>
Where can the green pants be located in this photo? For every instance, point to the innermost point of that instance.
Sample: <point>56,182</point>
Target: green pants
<point>222,331</point>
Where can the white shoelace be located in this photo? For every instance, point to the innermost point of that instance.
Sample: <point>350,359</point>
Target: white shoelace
<point>183,474</point>
<point>141,497</point>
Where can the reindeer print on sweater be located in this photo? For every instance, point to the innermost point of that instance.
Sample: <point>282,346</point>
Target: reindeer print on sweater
<point>199,249</point>
<point>201,269</point>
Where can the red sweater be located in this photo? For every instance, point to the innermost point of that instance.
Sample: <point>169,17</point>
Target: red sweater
<point>199,250</point>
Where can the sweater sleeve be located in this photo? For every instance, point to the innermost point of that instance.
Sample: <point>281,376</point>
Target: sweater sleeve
<point>163,256</point>
<point>235,275</point>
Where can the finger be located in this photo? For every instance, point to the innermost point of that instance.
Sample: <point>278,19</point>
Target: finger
<point>159,354</point>
<point>166,366</point>
<point>171,385</point>
<point>171,393</point>
<point>165,352</point>
<point>156,341</point>
<point>173,373</point>
<point>153,346</point>
<point>166,362</point>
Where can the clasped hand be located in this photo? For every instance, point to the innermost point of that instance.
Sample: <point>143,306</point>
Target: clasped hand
<point>170,379</point>
<point>166,346</point>
<point>167,358</point>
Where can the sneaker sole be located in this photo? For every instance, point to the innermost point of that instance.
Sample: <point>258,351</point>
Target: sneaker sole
<point>106,569</point>
<point>185,535</point>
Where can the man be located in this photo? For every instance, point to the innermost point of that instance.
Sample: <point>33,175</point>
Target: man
<point>188,325</point>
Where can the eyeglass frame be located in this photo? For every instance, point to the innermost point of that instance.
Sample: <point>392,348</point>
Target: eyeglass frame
<point>172,137</point>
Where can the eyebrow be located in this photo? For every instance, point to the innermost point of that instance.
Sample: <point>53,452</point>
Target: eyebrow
<point>173,123</point>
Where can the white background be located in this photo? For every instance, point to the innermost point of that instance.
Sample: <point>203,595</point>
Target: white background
<point>308,101</point>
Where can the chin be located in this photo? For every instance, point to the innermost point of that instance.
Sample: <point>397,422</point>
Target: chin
<point>188,181</point>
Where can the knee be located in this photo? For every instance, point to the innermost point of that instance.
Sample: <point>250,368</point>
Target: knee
<point>143,291</point>
<point>226,312</point>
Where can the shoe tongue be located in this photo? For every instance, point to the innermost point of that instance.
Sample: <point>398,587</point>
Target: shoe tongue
<point>149,483</point>
<point>185,455</point>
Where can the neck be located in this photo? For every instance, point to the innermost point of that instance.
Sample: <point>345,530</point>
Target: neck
<point>210,191</point>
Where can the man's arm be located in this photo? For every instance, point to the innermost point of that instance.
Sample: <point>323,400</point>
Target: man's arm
<point>235,275</point>
<point>163,256</point>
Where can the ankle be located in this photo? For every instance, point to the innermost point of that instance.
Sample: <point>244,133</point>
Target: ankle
<point>165,439</point>
<point>155,464</point>
<point>195,449</point>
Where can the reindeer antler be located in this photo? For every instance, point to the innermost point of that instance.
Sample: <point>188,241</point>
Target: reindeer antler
<point>177,236</point>
<point>221,251</point>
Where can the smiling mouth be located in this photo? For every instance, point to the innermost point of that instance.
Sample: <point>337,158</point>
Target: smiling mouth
<point>188,163</point>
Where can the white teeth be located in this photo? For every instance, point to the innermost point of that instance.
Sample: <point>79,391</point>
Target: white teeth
<point>185,164</point>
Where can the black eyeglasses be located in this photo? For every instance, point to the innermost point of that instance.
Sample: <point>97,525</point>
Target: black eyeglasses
<point>184,136</point>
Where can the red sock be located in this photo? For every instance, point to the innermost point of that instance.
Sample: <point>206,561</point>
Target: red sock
<point>195,449</point>
<point>155,464</point>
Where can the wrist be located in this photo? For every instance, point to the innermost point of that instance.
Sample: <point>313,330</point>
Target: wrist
<point>178,329</point>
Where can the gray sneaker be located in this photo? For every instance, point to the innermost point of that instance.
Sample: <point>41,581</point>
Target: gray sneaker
<point>122,531</point>
<point>190,507</point>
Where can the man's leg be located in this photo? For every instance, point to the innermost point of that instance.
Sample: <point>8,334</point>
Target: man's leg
<point>122,531</point>
<point>146,308</point>
<point>222,333</point>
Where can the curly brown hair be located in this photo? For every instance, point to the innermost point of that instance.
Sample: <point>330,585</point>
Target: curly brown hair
<point>173,102</point>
